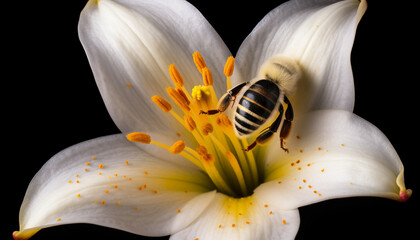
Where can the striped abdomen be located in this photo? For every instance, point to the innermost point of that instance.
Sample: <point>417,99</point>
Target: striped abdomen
<point>255,106</point>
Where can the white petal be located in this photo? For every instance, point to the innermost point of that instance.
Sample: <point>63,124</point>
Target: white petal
<point>240,219</point>
<point>134,42</point>
<point>122,188</point>
<point>319,34</point>
<point>333,154</point>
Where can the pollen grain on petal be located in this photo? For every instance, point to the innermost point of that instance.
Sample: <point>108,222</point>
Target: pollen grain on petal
<point>139,137</point>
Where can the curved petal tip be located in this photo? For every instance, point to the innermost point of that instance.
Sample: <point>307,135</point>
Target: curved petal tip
<point>23,235</point>
<point>405,195</point>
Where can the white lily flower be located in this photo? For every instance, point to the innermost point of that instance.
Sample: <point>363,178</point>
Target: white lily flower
<point>185,174</point>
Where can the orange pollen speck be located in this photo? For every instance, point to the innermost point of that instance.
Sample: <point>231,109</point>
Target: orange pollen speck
<point>233,225</point>
<point>106,191</point>
<point>101,166</point>
<point>78,195</point>
<point>126,162</point>
<point>58,219</point>
<point>298,161</point>
<point>266,206</point>
<point>86,169</point>
<point>284,221</point>
<point>103,202</point>
<point>300,187</point>
<point>70,181</point>
<point>309,186</point>
<point>146,172</point>
<point>77,181</point>
<point>77,175</point>
<point>88,163</point>
<point>299,168</point>
<point>319,149</point>
<point>178,211</point>
<point>304,180</point>
<point>93,158</point>
<point>115,186</point>
<point>247,222</point>
<point>220,226</point>
<point>279,182</point>
<point>118,203</point>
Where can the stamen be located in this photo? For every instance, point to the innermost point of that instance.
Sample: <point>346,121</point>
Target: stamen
<point>162,103</point>
<point>229,66</point>
<point>224,122</point>
<point>206,129</point>
<point>177,147</point>
<point>228,71</point>
<point>199,61</point>
<point>190,123</point>
<point>208,163</point>
<point>139,137</point>
<point>207,77</point>
<point>176,76</point>
<point>178,98</point>
<point>182,93</point>
<point>238,172</point>
<point>201,150</point>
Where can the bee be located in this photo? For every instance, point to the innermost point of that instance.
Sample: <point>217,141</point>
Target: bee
<point>263,99</point>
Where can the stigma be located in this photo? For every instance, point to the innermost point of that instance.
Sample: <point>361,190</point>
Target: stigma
<point>217,150</point>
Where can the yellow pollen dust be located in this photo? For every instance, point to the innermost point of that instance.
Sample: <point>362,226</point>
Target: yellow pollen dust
<point>201,92</point>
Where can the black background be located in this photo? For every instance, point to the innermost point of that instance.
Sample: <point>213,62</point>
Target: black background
<point>50,101</point>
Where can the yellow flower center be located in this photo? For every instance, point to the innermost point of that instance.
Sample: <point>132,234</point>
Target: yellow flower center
<point>220,153</point>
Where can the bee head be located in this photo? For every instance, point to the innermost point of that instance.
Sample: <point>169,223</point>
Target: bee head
<point>284,71</point>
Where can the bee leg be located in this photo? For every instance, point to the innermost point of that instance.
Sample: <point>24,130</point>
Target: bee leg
<point>287,123</point>
<point>226,99</point>
<point>268,133</point>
